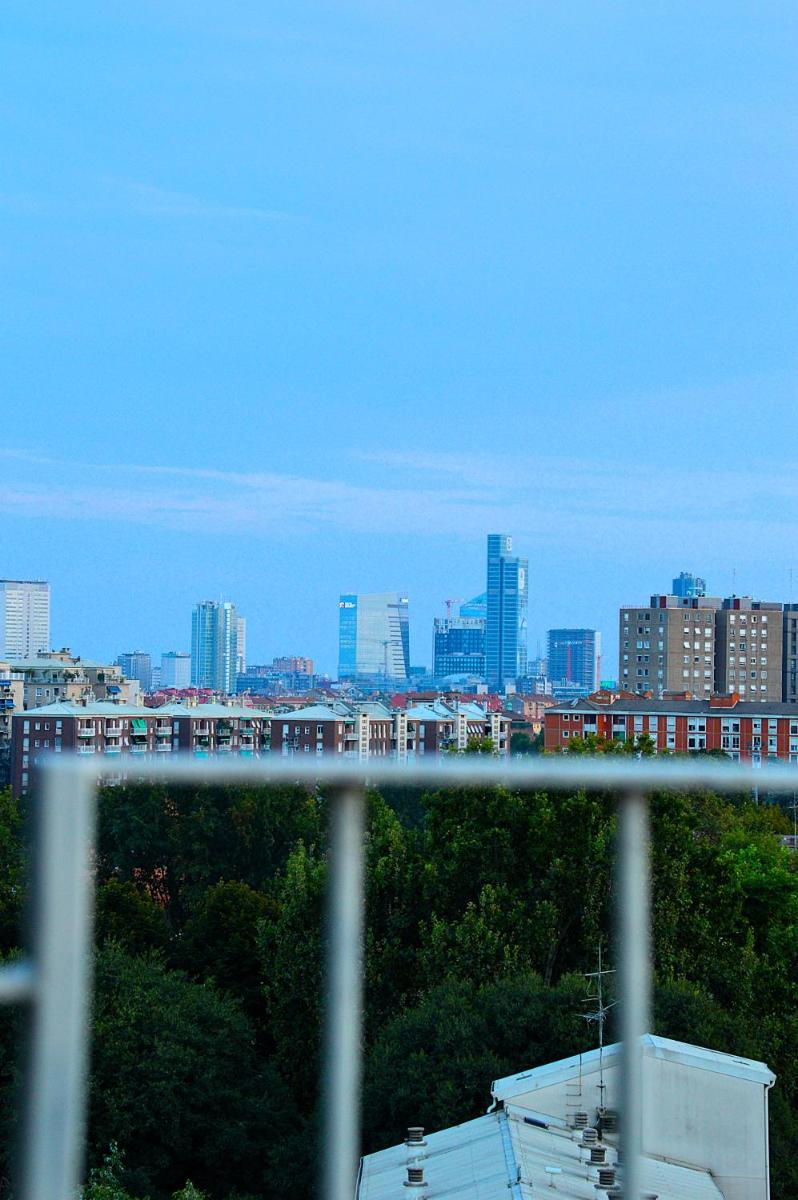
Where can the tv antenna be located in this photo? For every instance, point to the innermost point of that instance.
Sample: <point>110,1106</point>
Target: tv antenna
<point>598,1015</point>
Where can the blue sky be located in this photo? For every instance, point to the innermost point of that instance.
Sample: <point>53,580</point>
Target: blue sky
<point>299,298</point>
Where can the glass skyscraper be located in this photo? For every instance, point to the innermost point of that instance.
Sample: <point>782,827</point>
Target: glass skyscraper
<point>507,598</point>
<point>689,585</point>
<point>574,656</point>
<point>373,636</point>
<point>214,645</point>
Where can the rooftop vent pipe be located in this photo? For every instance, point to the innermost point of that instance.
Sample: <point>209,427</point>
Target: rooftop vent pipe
<point>598,1154</point>
<point>415,1177</point>
<point>606,1176</point>
<point>589,1136</point>
<point>415,1136</point>
<point>608,1119</point>
<point>580,1119</point>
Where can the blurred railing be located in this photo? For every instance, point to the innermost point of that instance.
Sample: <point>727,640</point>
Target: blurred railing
<point>54,976</point>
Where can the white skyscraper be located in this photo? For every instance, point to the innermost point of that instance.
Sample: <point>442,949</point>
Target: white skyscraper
<point>24,618</point>
<point>241,649</point>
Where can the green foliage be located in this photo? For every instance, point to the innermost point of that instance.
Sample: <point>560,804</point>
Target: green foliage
<point>105,1180</point>
<point>641,746</point>
<point>433,1064</point>
<point>176,1080</point>
<point>128,915</point>
<point>12,865</point>
<point>522,743</point>
<point>177,842</point>
<point>484,907</point>
<point>220,942</point>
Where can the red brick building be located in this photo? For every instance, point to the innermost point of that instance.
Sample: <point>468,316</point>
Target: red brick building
<point>748,731</point>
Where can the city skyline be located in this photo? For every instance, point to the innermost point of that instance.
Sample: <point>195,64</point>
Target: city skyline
<point>267,361</point>
<point>323,649</point>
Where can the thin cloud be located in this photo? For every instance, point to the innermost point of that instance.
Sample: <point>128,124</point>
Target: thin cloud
<point>540,501</point>
<point>157,201</point>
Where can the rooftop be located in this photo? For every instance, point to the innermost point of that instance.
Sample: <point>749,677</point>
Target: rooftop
<point>673,707</point>
<point>656,1047</point>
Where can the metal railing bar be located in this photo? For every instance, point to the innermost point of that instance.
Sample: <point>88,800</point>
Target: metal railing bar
<point>343,1017</point>
<point>17,982</point>
<point>634,903</point>
<point>539,771</point>
<point>61,931</point>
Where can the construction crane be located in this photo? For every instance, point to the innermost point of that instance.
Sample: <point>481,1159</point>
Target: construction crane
<point>449,603</point>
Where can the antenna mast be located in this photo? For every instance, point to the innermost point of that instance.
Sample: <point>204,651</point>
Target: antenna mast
<point>599,1015</point>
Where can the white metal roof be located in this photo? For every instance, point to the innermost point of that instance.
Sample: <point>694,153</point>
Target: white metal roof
<point>535,1149</point>
<point>467,1160</point>
<point>658,1047</point>
<point>502,1157</point>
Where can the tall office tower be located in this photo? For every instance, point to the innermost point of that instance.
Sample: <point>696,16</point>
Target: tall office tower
<point>175,670</point>
<point>749,648</point>
<point>505,632</point>
<point>214,645</point>
<point>574,657</point>
<point>241,649</point>
<point>137,664</point>
<point>24,618</point>
<point>373,636</point>
<point>458,647</point>
<point>668,646</point>
<point>688,586</point>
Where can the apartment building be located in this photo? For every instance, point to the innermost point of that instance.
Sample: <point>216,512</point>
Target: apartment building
<point>668,645</point>
<point>746,730</point>
<point>749,649</point>
<point>11,702</point>
<point>59,675</point>
<point>372,730</point>
<point>705,645</point>
<point>789,660</point>
<point>124,733</point>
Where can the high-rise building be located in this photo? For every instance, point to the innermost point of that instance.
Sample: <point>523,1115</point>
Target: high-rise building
<point>175,670</point>
<point>24,618</point>
<point>241,649</point>
<point>668,646</point>
<point>505,633</point>
<point>458,647</point>
<point>574,657</point>
<point>137,664</point>
<point>214,645</point>
<point>703,645</point>
<point>749,649</point>
<point>373,636</point>
<point>687,586</point>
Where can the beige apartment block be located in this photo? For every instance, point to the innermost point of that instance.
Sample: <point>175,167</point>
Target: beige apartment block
<point>668,646</point>
<point>749,648</point>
